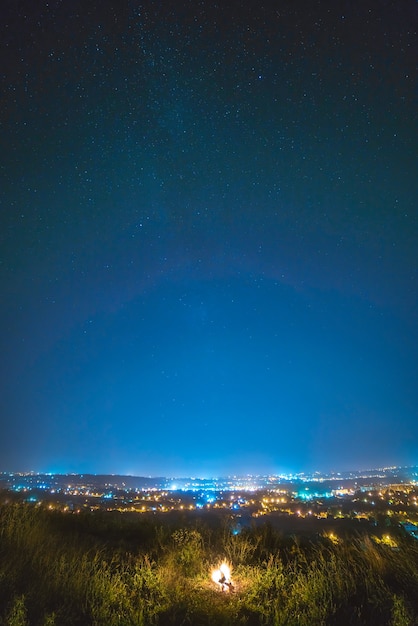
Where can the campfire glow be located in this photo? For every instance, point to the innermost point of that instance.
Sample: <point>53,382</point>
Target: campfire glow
<point>222,577</point>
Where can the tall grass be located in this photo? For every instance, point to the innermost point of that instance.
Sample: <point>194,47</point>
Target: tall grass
<point>63,569</point>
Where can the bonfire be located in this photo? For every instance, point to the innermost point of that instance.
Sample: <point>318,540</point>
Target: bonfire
<point>222,577</point>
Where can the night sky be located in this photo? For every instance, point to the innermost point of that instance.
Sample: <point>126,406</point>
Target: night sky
<point>208,236</point>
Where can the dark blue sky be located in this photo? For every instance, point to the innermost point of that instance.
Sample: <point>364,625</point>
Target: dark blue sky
<point>208,236</point>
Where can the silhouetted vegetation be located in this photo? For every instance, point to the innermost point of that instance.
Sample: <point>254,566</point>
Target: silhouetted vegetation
<point>108,569</point>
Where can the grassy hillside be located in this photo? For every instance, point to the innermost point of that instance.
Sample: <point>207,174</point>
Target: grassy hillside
<point>108,569</point>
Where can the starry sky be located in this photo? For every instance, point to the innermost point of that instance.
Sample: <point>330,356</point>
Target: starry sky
<point>208,236</point>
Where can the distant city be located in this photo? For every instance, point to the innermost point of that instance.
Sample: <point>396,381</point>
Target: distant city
<point>373,496</point>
